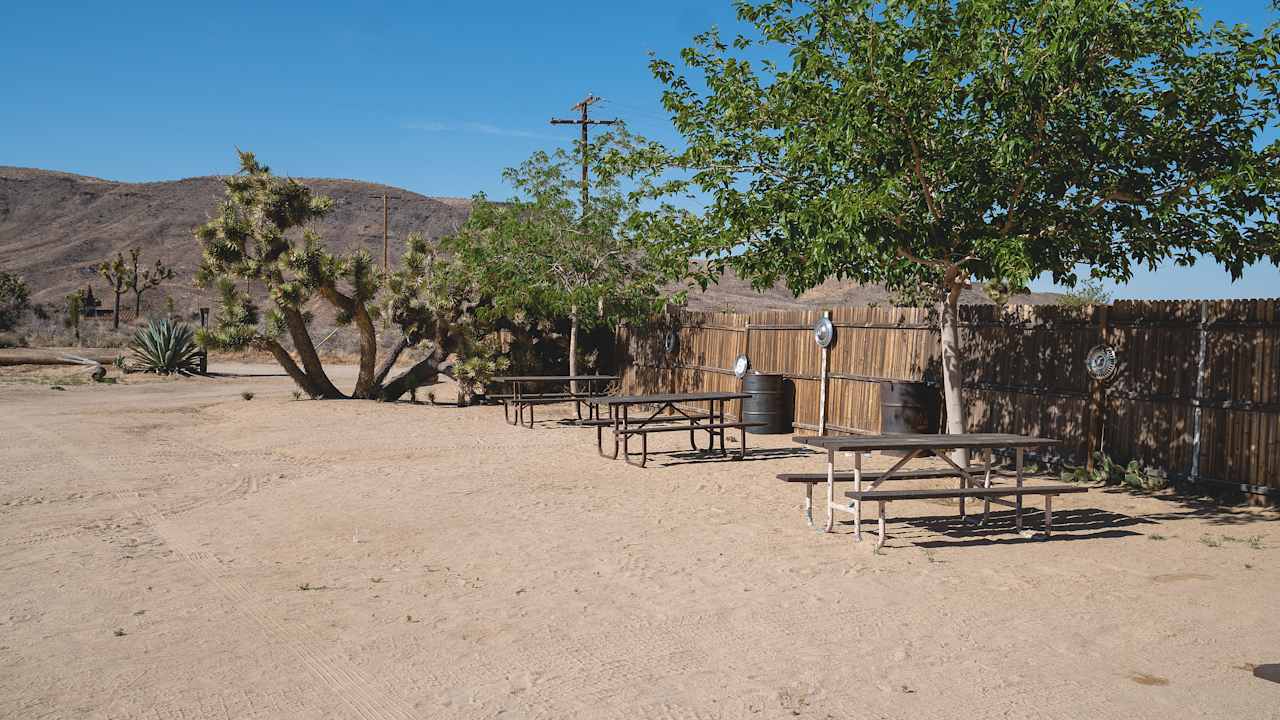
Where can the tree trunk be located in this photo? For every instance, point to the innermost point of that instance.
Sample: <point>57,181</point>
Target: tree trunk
<point>952,378</point>
<point>115,316</point>
<point>300,378</point>
<point>573,348</point>
<point>366,388</point>
<point>424,373</point>
<point>307,353</point>
<point>137,305</point>
<point>401,345</point>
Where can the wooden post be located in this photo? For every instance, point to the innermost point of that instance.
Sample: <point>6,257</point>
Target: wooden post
<point>1197,415</point>
<point>1097,398</point>
<point>822,386</point>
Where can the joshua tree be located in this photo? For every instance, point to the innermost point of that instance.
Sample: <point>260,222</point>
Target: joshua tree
<point>116,273</point>
<point>258,234</point>
<point>75,308</point>
<point>14,299</point>
<point>140,282</point>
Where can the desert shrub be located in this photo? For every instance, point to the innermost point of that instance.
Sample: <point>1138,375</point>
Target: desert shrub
<point>14,300</point>
<point>246,395</point>
<point>165,347</point>
<point>1106,471</point>
<point>477,368</point>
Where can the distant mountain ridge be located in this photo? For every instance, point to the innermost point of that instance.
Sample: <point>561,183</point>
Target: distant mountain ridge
<point>56,226</point>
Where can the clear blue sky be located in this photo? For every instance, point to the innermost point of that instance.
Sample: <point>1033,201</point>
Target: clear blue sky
<point>436,97</point>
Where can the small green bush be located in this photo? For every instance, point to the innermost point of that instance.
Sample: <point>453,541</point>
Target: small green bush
<point>1107,472</point>
<point>246,395</point>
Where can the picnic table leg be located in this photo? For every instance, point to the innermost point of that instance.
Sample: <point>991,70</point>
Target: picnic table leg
<point>743,432</point>
<point>986,483</point>
<point>600,437</point>
<point>723,431</point>
<point>831,489</point>
<point>880,541</point>
<point>1018,500</point>
<point>808,505</point>
<point>857,485</point>
<point>693,432</point>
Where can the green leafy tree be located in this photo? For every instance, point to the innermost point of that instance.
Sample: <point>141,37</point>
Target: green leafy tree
<point>554,252</point>
<point>15,298</point>
<point>259,233</point>
<point>140,282</point>
<point>117,274</point>
<point>928,145</point>
<point>1088,292</point>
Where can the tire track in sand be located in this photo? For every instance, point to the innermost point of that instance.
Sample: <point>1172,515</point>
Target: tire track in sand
<point>347,683</point>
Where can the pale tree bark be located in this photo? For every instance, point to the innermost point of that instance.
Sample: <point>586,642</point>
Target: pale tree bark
<point>573,347</point>
<point>952,374</point>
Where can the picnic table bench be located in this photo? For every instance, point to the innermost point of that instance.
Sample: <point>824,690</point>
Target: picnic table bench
<point>976,484</point>
<point>680,419</point>
<point>519,401</point>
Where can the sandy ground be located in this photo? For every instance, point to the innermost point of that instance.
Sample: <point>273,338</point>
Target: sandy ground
<point>169,550</point>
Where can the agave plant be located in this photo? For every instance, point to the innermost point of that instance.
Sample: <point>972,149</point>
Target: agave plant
<point>165,347</point>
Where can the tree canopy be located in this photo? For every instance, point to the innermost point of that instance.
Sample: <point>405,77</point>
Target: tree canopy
<point>542,254</point>
<point>926,144</point>
<point>998,139</point>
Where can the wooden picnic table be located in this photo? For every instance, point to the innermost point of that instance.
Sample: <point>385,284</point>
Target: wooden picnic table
<point>914,446</point>
<point>519,399</point>
<point>679,418</point>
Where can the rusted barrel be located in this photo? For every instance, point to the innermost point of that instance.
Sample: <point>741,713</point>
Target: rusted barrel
<point>767,404</point>
<point>909,407</point>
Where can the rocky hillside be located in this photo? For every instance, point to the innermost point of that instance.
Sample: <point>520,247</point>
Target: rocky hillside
<point>55,227</point>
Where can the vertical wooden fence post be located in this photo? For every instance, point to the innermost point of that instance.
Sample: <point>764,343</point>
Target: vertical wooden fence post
<point>1197,414</point>
<point>822,386</point>
<point>1097,398</point>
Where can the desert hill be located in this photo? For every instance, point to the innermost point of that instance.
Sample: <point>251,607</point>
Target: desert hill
<point>55,227</point>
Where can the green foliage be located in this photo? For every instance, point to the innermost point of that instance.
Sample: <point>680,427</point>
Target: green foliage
<point>914,142</point>
<point>165,347</point>
<point>75,309</point>
<point>478,365</point>
<point>1108,472</point>
<point>550,253</point>
<point>14,300</point>
<point>1089,292</point>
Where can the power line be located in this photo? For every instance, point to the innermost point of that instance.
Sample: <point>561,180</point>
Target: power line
<point>586,122</point>
<point>385,214</point>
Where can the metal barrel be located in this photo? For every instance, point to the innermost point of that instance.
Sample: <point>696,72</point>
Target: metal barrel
<point>767,404</point>
<point>909,407</point>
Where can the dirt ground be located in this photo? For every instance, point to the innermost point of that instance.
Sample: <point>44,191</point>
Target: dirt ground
<point>170,550</point>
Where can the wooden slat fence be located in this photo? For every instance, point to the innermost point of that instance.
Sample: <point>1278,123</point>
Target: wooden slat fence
<point>1197,392</point>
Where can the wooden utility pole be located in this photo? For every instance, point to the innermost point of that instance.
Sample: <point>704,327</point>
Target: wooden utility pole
<point>586,122</point>
<point>386,253</point>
